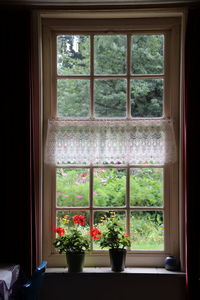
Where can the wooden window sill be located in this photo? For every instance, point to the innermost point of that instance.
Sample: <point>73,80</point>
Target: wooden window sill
<point>107,270</point>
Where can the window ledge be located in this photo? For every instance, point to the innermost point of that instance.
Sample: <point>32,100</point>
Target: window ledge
<point>134,271</point>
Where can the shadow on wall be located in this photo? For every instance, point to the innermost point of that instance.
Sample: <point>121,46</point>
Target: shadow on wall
<point>117,286</point>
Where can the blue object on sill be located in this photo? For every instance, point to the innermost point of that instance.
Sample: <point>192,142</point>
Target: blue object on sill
<point>171,263</point>
<point>31,289</point>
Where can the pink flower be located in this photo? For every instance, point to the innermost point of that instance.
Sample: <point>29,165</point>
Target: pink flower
<point>79,196</point>
<point>66,196</point>
<point>103,180</point>
<point>58,193</point>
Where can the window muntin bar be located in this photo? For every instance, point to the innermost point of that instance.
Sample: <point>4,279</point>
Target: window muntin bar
<point>128,210</point>
<point>130,77</point>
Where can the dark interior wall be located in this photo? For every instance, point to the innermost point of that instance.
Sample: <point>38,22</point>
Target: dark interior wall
<point>15,216</point>
<point>192,67</point>
<point>15,96</point>
<point>113,286</point>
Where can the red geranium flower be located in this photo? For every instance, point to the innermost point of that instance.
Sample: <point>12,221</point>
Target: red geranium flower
<point>95,232</point>
<point>60,231</point>
<point>79,220</point>
<point>84,175</point>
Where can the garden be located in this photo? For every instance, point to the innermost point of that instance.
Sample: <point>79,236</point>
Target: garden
<point>109,190</point>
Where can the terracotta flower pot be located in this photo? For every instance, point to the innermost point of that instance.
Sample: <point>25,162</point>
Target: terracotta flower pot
<point>75,262</point>
<point>117,259</point>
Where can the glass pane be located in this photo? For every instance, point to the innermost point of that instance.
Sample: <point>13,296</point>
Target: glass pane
<point>72,187</point>
<point>147,54</point>
<point>110,98</point>
<point>73,98</point>
<point>147,98</point>
<point>146,187</point>
<point>147,230</point>
<point>109,187</point>
<point>110,54</point>
<point>73,54</point>
<point>100,222</point>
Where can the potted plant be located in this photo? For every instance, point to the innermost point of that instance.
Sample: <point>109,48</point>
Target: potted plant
<point>73,242</point>
<point>115,239</point>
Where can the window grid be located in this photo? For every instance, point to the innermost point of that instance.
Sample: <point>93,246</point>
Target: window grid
<point>122,23</point>
<point>127,208</point>
<point>128,76</point>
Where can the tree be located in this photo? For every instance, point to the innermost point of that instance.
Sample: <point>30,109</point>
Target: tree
<point>73,58</point>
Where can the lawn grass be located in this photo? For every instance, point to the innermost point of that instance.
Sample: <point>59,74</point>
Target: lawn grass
<point>147,246</point>
<point>138,246</point>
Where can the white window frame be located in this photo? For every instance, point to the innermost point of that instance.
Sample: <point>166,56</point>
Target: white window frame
<point>172,29</point>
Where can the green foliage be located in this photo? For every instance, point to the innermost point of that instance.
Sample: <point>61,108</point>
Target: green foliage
<point>114,236</point>
<point>72,187</point>
<point>73,58</point>
<point>147,54</point>
<point>146,187</point>
<point>110,54</point>
<point>73,100</point>
<point>147,98</point>
<point>73,55</point>
<point>147,230</point>
<point>73,241</point>
<point>72,238</point>
<point>110,98</point>
<point>109,187</point>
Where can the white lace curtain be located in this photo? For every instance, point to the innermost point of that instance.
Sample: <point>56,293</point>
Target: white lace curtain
<point>111,142</point>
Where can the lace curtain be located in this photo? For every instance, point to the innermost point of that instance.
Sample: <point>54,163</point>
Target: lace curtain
<point>110,142</point>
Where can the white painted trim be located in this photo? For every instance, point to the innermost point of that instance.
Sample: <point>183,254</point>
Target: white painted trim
<point>113,13</point>
<point>134,271</point>
<point>142,258</point>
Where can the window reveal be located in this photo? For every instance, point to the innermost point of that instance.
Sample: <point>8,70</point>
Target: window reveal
<point>110,137</point>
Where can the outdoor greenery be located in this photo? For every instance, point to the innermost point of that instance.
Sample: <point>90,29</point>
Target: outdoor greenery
<point>110,58</point>
<point>146,189</point>
<point>113,234</point>
<point>110,96</point>
<point>72,240</point>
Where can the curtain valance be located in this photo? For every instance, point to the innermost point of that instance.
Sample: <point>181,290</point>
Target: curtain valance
<point>110,142</point>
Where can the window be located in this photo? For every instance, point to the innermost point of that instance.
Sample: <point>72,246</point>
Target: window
<point>110,122</point>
